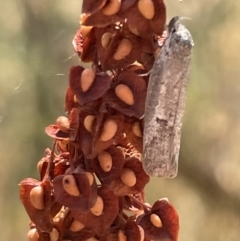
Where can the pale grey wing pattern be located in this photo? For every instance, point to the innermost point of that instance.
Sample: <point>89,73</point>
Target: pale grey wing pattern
<point>165,104</point>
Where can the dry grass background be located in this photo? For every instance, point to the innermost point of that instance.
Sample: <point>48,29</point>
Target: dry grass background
<point>36,53</point>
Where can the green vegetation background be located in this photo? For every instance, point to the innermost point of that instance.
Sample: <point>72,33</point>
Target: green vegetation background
<point>35,56</point>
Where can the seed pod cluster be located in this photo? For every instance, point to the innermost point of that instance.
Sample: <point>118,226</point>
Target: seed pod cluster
<point>94,173</point>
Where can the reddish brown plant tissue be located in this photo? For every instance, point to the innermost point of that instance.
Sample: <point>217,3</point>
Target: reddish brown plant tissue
<point>94,174</point>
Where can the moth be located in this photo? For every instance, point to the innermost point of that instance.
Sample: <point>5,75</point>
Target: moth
<point>165,102</point>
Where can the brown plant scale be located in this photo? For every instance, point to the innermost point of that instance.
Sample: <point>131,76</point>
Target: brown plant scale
<point>94,173</point>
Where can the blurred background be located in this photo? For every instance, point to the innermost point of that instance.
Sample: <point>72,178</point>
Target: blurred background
<point>35,56</point>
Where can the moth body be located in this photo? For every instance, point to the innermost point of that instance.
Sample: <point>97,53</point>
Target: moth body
<point>165,103</point>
